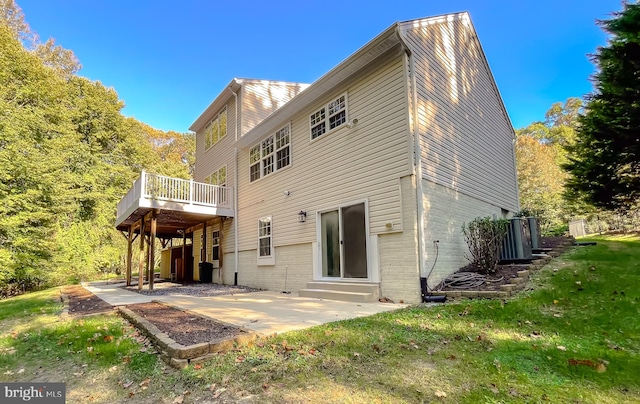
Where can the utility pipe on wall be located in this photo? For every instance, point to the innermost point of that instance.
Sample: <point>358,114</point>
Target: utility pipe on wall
<point>235,191</point>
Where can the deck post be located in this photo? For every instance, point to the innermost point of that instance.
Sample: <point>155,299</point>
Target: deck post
<point>129,255</point>
<point>152,250</point>
<point>191,192</point>
<point>203,255</point>
<point>143,184</point>
<point>184,256</point>
<point>141,256</point>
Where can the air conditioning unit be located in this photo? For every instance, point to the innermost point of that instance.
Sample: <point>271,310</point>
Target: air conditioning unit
<point>536,235</point>
<point>517,244</point>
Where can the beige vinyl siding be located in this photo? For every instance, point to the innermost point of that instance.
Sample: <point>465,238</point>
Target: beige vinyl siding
<point>342,166</point>
<point>220,154</point>
<point>260,98</point>
<point>227,243</point>
<point>466,137</point>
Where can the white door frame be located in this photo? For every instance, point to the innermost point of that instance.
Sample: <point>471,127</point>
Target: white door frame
<point>318,244</point>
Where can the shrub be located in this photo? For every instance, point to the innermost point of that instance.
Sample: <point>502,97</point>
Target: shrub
<point>484,237</point>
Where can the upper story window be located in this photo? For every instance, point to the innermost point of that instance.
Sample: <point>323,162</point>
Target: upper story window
<point>272,154</point>
<point>218,178</point>
<point>216,129</point>
<point>329,117</point>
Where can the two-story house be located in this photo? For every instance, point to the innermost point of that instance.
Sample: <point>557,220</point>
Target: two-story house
<point>357,185</point>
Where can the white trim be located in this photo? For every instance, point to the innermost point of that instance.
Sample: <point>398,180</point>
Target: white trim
<point>327,128</point>
<point>271,258</point>
<point>317,276</point>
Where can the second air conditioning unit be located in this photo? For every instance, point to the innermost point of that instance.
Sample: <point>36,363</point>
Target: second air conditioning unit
<point>517,244</point>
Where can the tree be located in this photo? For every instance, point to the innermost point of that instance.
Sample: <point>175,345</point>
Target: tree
<point>539,155</point>
<point>67,155</point>
<point>604,162</point>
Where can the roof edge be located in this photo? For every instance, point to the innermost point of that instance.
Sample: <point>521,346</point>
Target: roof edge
<point>319,87</point>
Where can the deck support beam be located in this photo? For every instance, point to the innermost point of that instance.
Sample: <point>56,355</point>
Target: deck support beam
<point>180,276</point>
<point>141,255</point>
<point>129,255</point>
<point>152,250</point>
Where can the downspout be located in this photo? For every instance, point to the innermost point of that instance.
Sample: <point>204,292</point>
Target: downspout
<point>235,198</point>
<point>424,277</point>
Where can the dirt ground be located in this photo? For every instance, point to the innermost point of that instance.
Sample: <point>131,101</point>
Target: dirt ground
<point>181,326</point>
<point>83,302</point>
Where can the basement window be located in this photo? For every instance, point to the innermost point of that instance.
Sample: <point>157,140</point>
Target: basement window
<point>266,254</point>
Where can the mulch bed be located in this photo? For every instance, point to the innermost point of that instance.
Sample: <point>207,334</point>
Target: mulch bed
<point>83,302</point>
<point>503,273</point>
<point>183,327</point>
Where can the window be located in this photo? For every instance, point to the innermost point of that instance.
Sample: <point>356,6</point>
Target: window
<point>331,115</point>
<point>282,147</point>
<point>270,155</point>
<point>216,129</point>
<point>218,178</point>
<point>215,248</point>
<point>264,237</point>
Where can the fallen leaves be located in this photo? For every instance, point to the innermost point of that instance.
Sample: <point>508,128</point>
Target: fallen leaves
<point>600,366</point>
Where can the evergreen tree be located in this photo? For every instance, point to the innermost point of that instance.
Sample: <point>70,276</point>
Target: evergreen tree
<point>604,162</point>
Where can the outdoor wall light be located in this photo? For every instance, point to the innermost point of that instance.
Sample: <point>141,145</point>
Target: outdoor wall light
<point>302,216</point>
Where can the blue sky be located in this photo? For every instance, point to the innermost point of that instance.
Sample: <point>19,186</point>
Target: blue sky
<point>169,59</point>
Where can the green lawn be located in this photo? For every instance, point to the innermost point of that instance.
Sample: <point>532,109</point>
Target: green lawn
<point>575,339</point>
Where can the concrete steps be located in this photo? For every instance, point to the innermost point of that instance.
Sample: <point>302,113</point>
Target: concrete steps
<point>343,291</point>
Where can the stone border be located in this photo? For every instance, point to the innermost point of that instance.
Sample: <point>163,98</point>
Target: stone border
<point>65,304</point>
<point>516,284</point>
<point>178,355</point>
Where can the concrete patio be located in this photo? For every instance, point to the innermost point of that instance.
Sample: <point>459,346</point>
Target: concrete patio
<point>265,312</point>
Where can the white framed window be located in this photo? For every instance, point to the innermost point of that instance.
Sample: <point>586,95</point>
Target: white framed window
<point>215,245</point>
<point>329,117</point>
<point>216,129</point>
<point>271,154</point>
<point>218,178</point>
<point>266,253</point>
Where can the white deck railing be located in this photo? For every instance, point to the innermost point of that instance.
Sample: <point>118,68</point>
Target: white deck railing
<point>161,188</point>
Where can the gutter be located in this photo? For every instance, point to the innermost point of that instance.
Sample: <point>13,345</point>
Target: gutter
<point>235,191</point>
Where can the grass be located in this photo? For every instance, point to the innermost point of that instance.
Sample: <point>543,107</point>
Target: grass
<point>575,338</point>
